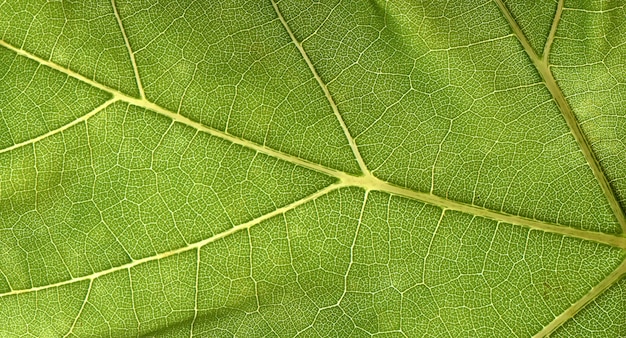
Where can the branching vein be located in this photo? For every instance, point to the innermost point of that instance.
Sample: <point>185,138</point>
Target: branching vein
<point>344,127</point>
<point>192,246</point>
<point>597,290</point>
<point>130,50</point>
<point>367,182</point>
<point>62,128</point>
<point>555,24</point>
<point>543,67</point>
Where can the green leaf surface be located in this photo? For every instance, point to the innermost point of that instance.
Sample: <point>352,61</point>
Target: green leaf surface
<point>333,168</point>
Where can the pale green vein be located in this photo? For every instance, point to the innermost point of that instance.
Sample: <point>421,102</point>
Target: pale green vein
<point>597,290</point>
<point>62,128</point>
<point>80,311</point>
<point>351,261</point>
<point>195,297</point>
<point>543,67</point>
<point>373,183</point>
<point>555,23</point>
<point>367,182</point>
<point>193,246</point>
<point>177,117</point>
<point>329,97</point>
<point>130,50</point>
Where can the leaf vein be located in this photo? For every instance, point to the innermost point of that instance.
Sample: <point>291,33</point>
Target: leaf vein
<point>329,97</point>
<point>130,50</point>
<point>193,246</point>
<point>543,68</point>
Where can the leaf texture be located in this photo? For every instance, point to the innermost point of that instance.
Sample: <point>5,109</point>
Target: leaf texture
<point>333,168</point>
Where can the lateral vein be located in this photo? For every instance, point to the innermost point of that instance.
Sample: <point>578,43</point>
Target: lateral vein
<point>193,246</point>
<point>130,50</point>
<point>62,128</point>
<point>144,103</point>
<point>543,67</point>
<point>596,291</point>
<point>329,97</point>
<point>555,24</point>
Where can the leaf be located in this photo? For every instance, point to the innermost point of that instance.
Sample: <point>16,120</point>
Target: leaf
<point>336,168</point>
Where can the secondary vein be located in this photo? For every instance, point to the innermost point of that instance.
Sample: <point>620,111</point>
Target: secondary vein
<point>543,67</point>
<point>130,50</point>
<point>555,24</point>
<point>192,246</point>
<point>368,182</point>
<point>596,291</point>
<point>62,128</point>
<point>329,97</point>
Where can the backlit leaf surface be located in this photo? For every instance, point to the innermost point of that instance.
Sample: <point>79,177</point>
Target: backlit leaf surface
<point>333,168</point>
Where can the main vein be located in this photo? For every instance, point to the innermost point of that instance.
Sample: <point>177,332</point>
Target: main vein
<point>543,67</point>
<point>329,97</point>
<point>368,182</point>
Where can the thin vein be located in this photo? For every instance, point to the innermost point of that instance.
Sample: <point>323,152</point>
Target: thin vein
<point>197,290</point>
<point>555,23</point>
<point>193,246</point>
<point>62,128</point>
<point>366,182</point>
<point>81,309</point>
<point>356,235</point>
<point>543,67</point>
<point>596,291</point>
<point>130,50</point>
<point>344,127</point>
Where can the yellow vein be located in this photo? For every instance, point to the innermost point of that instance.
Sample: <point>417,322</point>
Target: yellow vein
<point>192,246</point>
<point>62,128</point>
<point>351,262</point>
<point>130,51</point>
<point>555,23</point>
<point>177,117</point>
<point>329,97</point>
<point>586,299</point>
<point>543,68</point>
<point>372,183</point>
<point>195,298</point>
<point>366,182</point>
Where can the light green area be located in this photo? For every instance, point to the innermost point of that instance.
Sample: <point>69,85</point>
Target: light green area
<point>232,66</point>
<point>229,201</point>
<point>80,35</point>
<point>588,60</point>
<point>604,317</point>
<point>440,97</point>
<point>35,99</point>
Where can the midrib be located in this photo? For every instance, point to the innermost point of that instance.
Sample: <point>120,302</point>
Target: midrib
<point>367,182</point>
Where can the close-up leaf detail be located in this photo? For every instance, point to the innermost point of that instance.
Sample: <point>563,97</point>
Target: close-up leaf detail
<point>312,168</point>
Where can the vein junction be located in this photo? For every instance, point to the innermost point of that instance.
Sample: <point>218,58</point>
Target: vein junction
<point>543,67</point>
<point>366,181</point>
